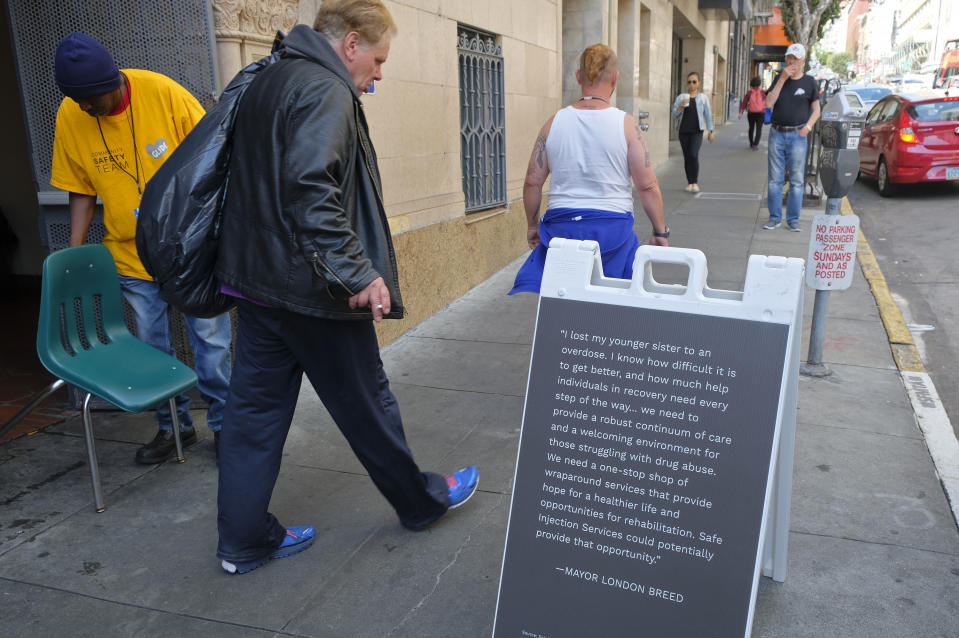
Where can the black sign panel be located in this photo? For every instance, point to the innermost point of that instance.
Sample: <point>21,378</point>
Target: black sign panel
<point>642,470</point>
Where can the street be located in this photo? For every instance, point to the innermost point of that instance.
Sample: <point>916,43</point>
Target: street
<point>914,238</point>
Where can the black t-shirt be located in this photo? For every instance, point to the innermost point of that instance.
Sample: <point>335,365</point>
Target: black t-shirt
<point>690,121</point>
<point>795,101</point>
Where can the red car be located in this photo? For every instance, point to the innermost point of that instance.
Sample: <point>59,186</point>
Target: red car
<point>909,138</point>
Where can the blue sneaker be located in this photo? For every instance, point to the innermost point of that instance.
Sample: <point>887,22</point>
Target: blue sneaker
<point>298,538</point>
<point>462,485</point>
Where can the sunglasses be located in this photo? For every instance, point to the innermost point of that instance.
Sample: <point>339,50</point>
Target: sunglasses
<point>692,81</point>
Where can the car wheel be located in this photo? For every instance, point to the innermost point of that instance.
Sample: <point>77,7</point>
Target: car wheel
<point>886,188</point>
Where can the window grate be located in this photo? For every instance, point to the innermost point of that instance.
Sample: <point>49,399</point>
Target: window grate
<point>174,38</point>
<point>482,120</point>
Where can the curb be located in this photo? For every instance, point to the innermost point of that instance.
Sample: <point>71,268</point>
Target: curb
<point>930,415</point>
<point>900,339</point>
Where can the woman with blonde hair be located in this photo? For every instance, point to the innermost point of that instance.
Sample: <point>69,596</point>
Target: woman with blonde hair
<point>593,151</point>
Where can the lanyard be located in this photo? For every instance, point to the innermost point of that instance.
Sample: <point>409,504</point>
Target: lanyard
<point>136,157</point>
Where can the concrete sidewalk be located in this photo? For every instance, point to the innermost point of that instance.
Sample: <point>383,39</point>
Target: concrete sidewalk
<point>874,548</point>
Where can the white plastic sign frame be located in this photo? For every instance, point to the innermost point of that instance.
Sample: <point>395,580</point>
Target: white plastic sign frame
<point>773,294</point>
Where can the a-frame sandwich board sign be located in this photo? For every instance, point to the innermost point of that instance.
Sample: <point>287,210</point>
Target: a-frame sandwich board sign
<point>655,459</point>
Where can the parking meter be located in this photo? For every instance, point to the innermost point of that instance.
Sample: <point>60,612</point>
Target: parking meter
<point>842,120</point>
<point>832,249</point>
<point>840,128</point>
<point>838,168</point>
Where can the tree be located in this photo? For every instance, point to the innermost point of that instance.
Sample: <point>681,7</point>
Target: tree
<point>805,20</point>
<point>838,61</point>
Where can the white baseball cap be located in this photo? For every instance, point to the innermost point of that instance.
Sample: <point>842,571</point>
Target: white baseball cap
<point>797,50</point>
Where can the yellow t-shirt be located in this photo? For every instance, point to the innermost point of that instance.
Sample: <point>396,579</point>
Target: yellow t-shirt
<point>162,113</point>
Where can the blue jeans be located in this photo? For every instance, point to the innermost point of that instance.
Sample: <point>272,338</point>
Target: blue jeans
<point>786,149</point>
<point>209,340</point>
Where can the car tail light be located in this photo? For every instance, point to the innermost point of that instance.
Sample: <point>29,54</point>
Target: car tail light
<point>906,134</point>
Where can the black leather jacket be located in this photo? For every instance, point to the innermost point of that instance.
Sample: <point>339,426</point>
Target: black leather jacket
<point>304,226</point>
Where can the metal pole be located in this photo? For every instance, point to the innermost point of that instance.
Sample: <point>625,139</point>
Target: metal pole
<point>814,366</point>
<point>92,455</point>
<point>40,398</point>
<point>176,430</point>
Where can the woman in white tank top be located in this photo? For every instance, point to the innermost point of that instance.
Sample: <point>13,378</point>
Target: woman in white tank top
<point>593,151</point>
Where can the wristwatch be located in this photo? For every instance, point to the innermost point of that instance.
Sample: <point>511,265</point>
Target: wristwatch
<point>663,234</point>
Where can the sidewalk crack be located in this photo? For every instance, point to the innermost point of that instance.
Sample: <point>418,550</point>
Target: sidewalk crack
<point>464,340</point>
<point>436,584</point>
<point>439,577</point>
<point>446,389</point>
<point>879,543</point>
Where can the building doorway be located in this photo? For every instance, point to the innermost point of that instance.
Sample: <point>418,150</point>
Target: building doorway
<point>677,83</point>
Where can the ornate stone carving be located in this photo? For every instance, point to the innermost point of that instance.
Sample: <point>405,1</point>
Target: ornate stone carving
<point>226,15</point>
<point>253,17</point>
<point>266,17</point>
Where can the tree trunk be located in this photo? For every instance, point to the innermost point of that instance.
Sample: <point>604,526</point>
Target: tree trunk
<point>805,20</point>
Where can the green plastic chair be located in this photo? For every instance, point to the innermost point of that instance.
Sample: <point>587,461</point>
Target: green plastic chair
<point>82,339</point>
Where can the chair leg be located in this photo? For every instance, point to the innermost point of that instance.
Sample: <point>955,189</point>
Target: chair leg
<point>176,431</point>
<point>40,398</point>
<point>92,454</point>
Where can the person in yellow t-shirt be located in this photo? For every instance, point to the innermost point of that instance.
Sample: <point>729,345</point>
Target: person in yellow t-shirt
<point>114,129</point>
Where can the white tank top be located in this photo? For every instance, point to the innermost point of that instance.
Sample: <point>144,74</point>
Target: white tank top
<point>587,160</point>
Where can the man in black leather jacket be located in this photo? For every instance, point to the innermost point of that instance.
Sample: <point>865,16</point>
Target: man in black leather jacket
<point>306,249</point>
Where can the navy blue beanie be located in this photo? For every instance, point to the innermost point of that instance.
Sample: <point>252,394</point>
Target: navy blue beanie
<point>84,67</point>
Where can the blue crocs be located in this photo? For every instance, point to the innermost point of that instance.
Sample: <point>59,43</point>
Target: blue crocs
<point>462,485</point>
<point>298,538</point>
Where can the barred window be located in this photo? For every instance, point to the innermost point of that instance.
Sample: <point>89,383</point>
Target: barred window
<point>482,120</point>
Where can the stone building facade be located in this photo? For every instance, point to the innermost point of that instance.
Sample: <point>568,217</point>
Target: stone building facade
<point>416,121</point>
<point>447,240</point>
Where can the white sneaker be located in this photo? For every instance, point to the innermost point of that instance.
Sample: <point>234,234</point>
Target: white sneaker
<point>693,188</point>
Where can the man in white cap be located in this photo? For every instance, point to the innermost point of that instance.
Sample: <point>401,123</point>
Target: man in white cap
<point>794,99</point>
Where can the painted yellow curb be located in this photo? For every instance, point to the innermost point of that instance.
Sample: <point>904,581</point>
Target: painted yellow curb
<point>900,339</point>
